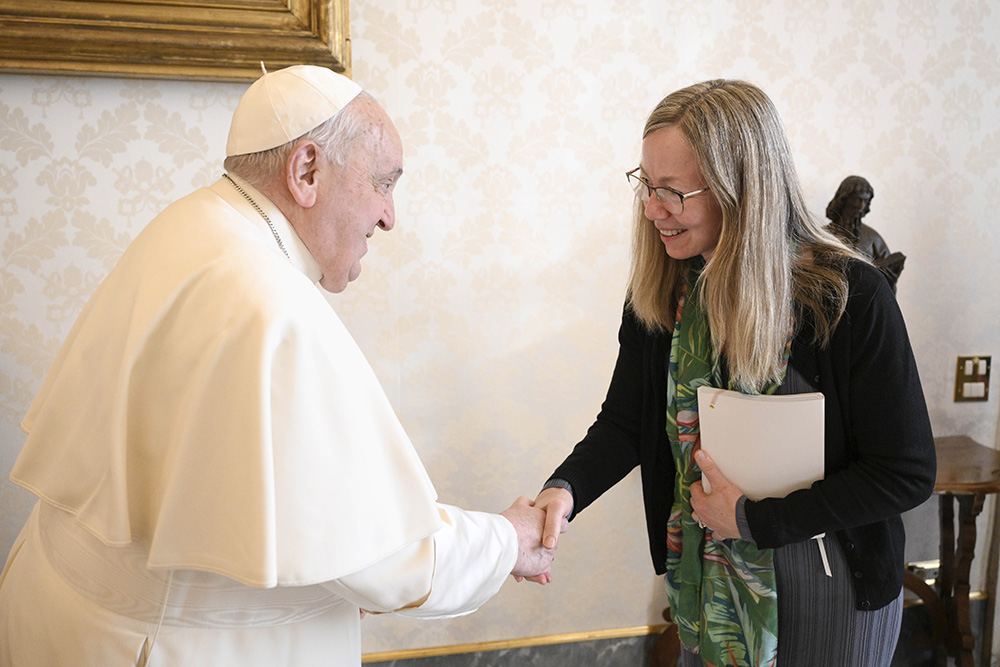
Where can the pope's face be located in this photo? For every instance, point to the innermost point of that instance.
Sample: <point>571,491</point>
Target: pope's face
<point>667,160</point>
<point>354,200</point>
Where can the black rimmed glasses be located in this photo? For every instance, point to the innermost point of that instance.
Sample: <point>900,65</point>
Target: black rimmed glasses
<point>671,199</point>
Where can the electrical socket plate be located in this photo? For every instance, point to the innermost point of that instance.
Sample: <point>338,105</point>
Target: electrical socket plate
<point>972,378</point>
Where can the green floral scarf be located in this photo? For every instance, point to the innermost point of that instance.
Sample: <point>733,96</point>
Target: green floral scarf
<point>722,592</point>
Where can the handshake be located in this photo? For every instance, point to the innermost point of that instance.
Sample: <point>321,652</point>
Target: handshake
<point>538,524</point>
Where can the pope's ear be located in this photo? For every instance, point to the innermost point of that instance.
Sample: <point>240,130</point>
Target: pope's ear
<point>301,171</point>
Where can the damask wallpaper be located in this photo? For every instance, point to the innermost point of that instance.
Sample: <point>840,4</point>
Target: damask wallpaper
<point>490,312</point>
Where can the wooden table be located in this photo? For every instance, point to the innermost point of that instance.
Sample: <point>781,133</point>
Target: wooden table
<point>966,473</point>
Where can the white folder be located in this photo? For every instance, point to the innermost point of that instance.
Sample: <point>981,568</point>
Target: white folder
<point>767,445</point>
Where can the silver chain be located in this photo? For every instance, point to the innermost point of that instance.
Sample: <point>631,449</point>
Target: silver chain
<point>259,210</point>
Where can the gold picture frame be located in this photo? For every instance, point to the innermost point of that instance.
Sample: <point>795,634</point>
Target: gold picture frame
<point>173,39</point>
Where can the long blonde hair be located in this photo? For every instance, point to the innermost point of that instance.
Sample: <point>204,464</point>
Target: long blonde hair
<point>772,256</point>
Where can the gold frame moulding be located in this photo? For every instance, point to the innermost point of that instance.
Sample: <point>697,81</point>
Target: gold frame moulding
<point>172,39</point>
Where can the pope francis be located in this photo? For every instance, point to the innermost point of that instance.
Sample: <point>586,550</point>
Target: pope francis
<point>221,479</point>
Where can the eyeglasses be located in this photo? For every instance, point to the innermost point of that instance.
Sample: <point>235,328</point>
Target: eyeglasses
<point>670,198</point>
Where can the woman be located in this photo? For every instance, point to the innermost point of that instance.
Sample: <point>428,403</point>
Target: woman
<point>734,284</point>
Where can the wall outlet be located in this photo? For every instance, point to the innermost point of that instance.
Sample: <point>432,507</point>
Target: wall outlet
<point>972,379</point>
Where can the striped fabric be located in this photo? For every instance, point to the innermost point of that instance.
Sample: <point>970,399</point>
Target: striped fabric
<point>818,625</point>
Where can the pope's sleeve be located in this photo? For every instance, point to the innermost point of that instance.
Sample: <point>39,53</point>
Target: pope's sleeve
<point>451,573</point>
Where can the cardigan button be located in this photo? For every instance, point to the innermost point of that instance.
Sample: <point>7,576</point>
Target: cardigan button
<point>866,605</point>
<point>849,546</point>
<point>859,575</point>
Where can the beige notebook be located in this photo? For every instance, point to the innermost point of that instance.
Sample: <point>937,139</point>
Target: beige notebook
<point>768,446</point>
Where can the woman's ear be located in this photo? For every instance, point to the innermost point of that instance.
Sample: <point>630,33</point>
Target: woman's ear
<point>301,170</point>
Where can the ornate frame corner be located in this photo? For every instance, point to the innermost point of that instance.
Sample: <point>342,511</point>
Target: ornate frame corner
<point>173,39</point>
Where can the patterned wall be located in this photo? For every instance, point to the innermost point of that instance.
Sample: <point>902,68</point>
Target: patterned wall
<point>490,312</point>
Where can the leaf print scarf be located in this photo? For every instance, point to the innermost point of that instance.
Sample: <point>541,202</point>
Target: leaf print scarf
<point>722,592</point>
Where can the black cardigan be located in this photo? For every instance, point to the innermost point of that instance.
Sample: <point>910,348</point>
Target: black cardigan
<point>880,457</point>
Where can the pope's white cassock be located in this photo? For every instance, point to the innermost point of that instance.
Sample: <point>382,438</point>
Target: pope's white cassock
<point>222,480</point>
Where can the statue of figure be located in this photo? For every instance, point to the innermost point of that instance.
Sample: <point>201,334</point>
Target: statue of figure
<point>845,211</point>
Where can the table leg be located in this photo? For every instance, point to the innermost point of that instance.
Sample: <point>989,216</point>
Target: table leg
<point>992,561</point>
<point>946,573</point>
<point>937,640</point>
<point>962,641</point>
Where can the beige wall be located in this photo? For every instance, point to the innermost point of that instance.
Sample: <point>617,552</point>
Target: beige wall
<point>490,312</point>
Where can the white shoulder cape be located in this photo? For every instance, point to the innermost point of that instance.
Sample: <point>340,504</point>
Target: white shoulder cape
<point>209,404</point>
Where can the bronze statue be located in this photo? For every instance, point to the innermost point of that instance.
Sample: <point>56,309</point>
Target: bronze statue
<point>845,211</point>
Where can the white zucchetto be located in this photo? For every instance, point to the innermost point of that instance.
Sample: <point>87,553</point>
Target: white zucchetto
<point>285,104</point>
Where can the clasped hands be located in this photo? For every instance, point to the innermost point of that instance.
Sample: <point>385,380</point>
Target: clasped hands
<point>538,524</point>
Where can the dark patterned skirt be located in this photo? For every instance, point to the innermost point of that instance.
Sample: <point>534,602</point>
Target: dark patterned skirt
<point>818,625</point>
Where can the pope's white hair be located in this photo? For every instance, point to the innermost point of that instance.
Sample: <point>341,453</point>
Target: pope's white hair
<point>337,138</point>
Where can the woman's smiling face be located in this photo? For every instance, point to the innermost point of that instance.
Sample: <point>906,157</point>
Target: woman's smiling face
<point>668,160</point>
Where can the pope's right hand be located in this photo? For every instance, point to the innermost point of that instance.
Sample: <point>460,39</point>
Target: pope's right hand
<point>534,561</point>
